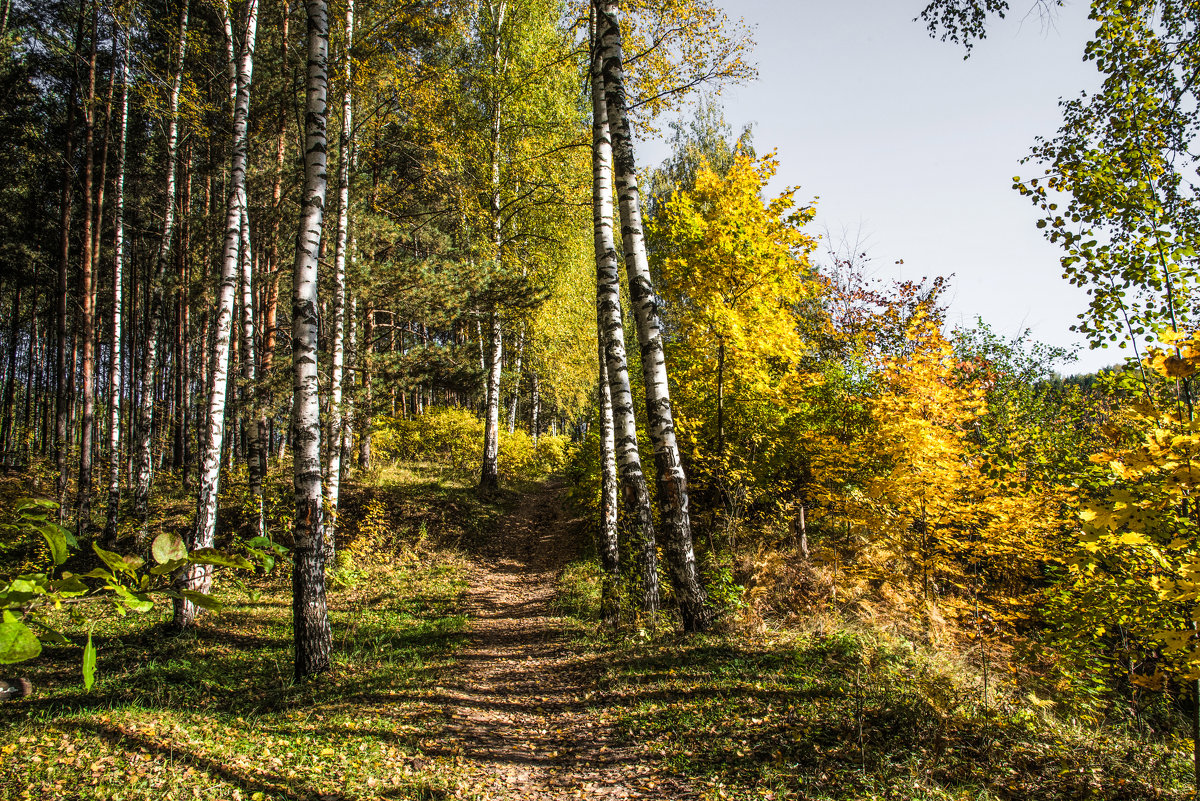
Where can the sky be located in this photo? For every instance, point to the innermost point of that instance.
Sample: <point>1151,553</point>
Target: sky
<point>911,151</point>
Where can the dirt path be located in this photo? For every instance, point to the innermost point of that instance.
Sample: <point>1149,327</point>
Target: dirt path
<point>520,715</point>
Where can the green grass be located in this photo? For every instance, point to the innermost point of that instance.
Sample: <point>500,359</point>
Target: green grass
<point>215,714</point>
<point>782,719</point>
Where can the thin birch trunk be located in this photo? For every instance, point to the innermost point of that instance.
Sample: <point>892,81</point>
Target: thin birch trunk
<point>489,474</point>
<point>516,391</point>
<point>672,483</point>
<point>606,541</point>
<point>333,471</point>
<point>198,578</point>
<point>143,468</point>
<point>638,524</point>
<point>114,379</point>
<point>535,406</point>
<point>255,424</point>
<point>310,617</point>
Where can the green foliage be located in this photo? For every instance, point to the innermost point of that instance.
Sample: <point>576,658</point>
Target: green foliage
<point>125,583</point>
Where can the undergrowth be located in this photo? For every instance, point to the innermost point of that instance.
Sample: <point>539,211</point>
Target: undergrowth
<point>214,713</point>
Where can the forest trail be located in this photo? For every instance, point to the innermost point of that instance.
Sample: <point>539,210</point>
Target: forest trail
<point>521,706</point>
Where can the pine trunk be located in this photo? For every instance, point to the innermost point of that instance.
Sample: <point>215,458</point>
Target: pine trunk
<point>365,408</point>
<point>672,483</point>
<point>62,396</point>
<point>310,617</point>
<point>87,308</point>
<point>198,578</point>
<point>143,467</point>
<point>10,380</point>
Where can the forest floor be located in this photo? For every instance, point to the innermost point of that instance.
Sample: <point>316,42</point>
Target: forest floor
<point>468,663</point>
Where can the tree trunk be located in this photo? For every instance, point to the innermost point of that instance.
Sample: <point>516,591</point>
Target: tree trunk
<point>199,577</point>
<point>310,617</point>
<point>638,525</point>
<point>143,467</point>
<point>672,483</point>
<point>114,379</point>
<point>87,298</point>
<point>516,390</point>
<point>489,475</point>
<point>606,541</point>
<point>535,406</point>
<point>10,381</point>
<point>62,399</point>
<point>366,411</point>
<point>255,424</point>
<point>333,471</point>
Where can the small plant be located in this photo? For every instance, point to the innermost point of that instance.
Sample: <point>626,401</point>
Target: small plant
<point>124,584</point>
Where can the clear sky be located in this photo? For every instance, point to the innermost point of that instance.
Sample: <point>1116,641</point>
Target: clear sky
<point>911,150</point>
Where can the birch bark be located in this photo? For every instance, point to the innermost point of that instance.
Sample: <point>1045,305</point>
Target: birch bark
<point>489,476</point>
<point>638,525</point>
<point>199,577</point>
<point>607,543</point>
<point>255,416</point>
<point>672,483</point>
<point>310,617</point>
<point>114,379</point>
<point>333,471</point>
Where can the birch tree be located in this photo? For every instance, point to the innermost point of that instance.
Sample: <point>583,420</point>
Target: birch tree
<point>672,482</point>
<point>635,496</point>
<point>310,617</point>
<point>198,578</point>
<point>489,477</point>
<point>115,332</point>
<point>333,468</point>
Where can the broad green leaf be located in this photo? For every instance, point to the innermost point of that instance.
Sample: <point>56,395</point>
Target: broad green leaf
<point>203,601</point>
<point>70,586</point>
<point>55,539</point>
<point>211,556</point>
<point>17,642</point>
<point>115,561</point>
<point>89,663</point>
<point>168,567</point>
<point>136,603</point>
<point>168,547</point>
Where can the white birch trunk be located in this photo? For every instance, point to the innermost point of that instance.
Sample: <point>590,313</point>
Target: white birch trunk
<point>114,379</point>
<point>310,616</point>
<point>638,527</point>
<point>672,483</point>
<point>142,467</point>
<point>489,475</point>
<point>199,577</point>
<point>255,417</point>
<point>333,472</point>
<point>516,391</point>
<point>606,542</point>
